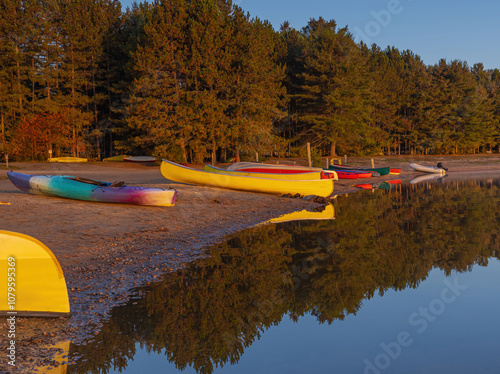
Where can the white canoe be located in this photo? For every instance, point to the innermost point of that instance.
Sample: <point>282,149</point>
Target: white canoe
<point>427,169</point>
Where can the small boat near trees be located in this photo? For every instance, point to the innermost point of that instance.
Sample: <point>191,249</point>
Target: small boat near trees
<point>139,159</point>
<point>381,171</point>
<point>92,190</point>
<point>119,158</point>
<point>342,174</point>
<point>183,174</point>
<point>439,169</point>
<point>67,159</point>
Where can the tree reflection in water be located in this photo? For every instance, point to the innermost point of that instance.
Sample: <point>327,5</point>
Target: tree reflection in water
<point>207,314</point>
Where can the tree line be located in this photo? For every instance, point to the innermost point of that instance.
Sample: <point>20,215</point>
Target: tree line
<point>198,80</point>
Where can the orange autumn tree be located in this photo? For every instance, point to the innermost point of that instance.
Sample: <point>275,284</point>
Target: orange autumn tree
<point>38,134</point>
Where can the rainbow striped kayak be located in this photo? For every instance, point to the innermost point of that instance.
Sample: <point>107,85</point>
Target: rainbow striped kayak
<point>91,190</point>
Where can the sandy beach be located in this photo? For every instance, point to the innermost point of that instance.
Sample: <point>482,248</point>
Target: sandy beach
<point>106,250</point>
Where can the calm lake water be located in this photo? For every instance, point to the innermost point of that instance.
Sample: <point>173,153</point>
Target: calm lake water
<point>400,280</point>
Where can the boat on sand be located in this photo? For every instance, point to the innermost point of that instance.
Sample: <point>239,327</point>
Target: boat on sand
<point>184,174</point>
<point>35,276</point>
<point>440,169</point>
<point>92,190</point>
<point>67,159</point>
<point>381,171</point>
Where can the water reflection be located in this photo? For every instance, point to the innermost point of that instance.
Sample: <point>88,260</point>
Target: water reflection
<point>206,315</point>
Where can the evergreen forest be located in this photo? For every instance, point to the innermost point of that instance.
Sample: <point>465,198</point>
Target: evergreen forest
<point>201,80</point>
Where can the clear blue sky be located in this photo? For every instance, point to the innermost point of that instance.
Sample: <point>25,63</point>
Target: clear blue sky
<point>433,29</point>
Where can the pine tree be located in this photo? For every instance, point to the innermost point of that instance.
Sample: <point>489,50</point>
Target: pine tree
<point>159,64</point>
<point>336,95</point>
<point>292,58</point>
<point>256,90</point>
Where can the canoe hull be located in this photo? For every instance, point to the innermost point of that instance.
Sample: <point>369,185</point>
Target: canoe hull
<point>344,174</point>
<point>40,288</point>
<point>183,174</point>
<point>66,186</point>
<point>119,158</point>
<point>139,159</point>
<point>67,159</point>
<point>427,169</point>
<point>381,171</point>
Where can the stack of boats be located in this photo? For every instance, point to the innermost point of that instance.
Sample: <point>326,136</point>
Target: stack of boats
<point>268,178</point>
<point>243,176</point>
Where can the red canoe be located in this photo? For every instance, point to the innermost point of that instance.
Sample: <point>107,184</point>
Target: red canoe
<point>349,175</point>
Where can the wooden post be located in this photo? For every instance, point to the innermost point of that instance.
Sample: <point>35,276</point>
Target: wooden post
<point>373,164</point>
<point>326,163</point>
<point>7,161</point>
<point>345,159</point>
<point>256,157</point>
<point>309,153</point>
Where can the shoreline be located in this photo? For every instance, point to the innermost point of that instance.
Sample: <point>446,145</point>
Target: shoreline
<point>106,250</point>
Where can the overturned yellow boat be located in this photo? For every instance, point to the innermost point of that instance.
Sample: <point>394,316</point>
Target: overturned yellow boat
<point>33,283</point>
<point>184,174</point>
<point>67,159</point>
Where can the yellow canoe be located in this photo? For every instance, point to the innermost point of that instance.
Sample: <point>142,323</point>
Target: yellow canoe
<point>67,159</point>
<point>34,283</point>
<point>184,174</point>
<point>296,176</point>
